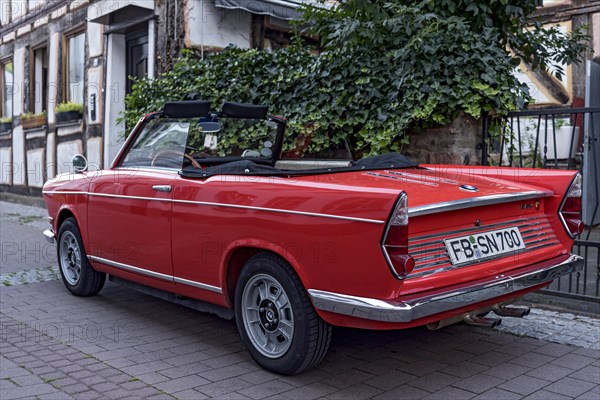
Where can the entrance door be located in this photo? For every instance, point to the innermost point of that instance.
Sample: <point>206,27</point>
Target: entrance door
<point>137,56</point>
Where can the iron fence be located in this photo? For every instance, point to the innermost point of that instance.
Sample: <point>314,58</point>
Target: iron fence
<point>564,139</point>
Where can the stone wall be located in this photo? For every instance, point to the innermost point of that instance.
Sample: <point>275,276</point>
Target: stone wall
<point>456,143</point>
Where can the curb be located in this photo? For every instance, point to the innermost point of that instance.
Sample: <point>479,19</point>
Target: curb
<point>21,199</point>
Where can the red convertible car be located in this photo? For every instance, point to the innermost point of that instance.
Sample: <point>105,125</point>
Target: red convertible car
<point>212,209</point>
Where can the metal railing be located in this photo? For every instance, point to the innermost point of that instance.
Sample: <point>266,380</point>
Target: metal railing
<point>554,138</point>
<point>536,138</point>
<point>583,285</point>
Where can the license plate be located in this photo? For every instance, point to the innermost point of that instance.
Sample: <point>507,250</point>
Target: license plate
<point>479,246</point>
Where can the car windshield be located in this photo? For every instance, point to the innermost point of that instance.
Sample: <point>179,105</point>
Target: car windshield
<point>200,147</point>
<point>181,143</point>
<point>231,137</point>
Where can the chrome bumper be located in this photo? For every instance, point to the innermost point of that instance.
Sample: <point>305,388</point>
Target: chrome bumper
<point>49,235</point>
<point>410,310</point>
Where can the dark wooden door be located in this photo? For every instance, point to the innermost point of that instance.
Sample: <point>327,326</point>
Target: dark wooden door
<point>137,56</point>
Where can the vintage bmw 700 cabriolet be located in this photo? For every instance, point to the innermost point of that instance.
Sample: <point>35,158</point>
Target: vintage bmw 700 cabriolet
<point>205,208</point>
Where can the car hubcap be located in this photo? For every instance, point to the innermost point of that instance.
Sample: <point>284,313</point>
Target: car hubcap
<point>267,315</point>
<point>70,258</point>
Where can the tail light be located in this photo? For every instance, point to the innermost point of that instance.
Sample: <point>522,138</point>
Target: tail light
<point>395,240</point>
<point>570,209</point>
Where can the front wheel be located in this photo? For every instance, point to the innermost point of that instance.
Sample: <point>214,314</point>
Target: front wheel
<point>276,319</point>
<point>77,273</point>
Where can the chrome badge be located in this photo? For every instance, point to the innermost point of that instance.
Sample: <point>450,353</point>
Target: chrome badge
<point>469,188</point>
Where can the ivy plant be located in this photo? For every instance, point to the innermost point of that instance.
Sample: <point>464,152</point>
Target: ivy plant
<point>383,68</point>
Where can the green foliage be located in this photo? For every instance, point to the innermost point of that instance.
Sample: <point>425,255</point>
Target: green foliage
<point>5,120</point>
<point>68,107</point>
<point>385,67</point>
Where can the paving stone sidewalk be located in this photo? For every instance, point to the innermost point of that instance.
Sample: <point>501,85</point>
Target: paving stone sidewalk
<point>123,344</point>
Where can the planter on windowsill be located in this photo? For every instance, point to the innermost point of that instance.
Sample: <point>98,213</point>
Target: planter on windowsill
<point>5,127</point>
<point>34,122</point>
<point>68,116</point>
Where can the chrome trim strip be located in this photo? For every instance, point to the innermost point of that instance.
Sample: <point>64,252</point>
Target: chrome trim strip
<point>158,275</point>
<point>410,310</point>
<point>199,285</point>
<point>475,202</point>
<point>426,177</point>
<point>401,179</point>
<point>131,268</point>
<point>49,236</point>
<point>206,203</point>
<point>476,228</point>
<point>425,270</point>
<point>62,192</point>
<point>121,196</point>
<point>277,210</point>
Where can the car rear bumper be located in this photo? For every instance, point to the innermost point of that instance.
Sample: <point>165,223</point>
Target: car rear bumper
<point>450,298</point>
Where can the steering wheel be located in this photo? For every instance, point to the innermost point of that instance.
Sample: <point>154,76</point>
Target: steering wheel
<point>175,153</point>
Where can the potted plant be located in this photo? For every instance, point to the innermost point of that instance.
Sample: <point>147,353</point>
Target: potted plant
<point>5,124</point>
<point>68,111</point>
<point>33,120</point>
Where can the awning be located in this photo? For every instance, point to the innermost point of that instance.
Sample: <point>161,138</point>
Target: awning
<point>102,11</point>
<point>283,9</point>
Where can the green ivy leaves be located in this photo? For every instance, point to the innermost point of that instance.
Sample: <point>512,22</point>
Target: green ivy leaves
<point>384,68</point>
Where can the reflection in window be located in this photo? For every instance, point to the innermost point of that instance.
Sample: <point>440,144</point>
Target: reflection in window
<point>7,89</point>
<point>161,144</point>
<point>76,45</point>
<point>40,75</point>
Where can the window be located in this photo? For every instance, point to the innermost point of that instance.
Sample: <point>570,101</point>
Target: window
<point>75,67</point>
<point>7,89</point>
<point>161,145</point>
<point>40,80</point>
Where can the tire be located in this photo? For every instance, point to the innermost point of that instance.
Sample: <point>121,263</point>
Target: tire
<point>275,318</point>
<point>77,273</point>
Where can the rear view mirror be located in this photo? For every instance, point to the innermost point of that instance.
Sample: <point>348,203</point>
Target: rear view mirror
<point>80,163</point>
<point>209,127</point>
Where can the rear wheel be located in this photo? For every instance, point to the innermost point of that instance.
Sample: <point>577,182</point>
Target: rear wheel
<point>276,319</point>
<point>77,273</point>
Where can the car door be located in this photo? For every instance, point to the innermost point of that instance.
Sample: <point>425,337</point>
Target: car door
<point>129,221</point>
<point>129,209</point>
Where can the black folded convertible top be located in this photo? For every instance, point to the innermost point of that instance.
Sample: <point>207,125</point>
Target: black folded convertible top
<point>249,167</point>
<point>387,160</point>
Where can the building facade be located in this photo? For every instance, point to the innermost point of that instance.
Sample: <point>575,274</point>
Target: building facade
<point>58,55</point>
<point>83,52</point>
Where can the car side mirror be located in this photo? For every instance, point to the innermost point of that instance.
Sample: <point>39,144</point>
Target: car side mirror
<point>80,163</point>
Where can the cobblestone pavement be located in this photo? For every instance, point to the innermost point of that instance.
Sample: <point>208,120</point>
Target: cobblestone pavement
<point>124,344</point>
<point>558,327</point>
<point>22,247</point>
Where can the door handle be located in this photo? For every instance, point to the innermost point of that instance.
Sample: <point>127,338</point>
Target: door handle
<point>162,188</point>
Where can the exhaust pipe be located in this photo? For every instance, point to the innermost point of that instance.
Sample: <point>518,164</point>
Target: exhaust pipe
<point>474,320</point>
<point>517,312</point>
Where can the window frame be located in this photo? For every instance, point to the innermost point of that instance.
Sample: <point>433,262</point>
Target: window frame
<point>32,77</point>
<point>3,63</point>
<point>66,60</point>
